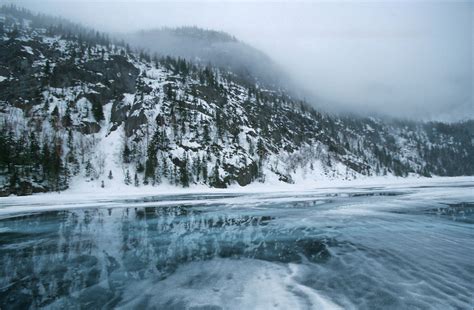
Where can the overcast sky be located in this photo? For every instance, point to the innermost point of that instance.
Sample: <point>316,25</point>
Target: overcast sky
<point>401,58</point>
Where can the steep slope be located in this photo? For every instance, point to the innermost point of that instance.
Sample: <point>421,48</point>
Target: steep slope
<point>75,107</point>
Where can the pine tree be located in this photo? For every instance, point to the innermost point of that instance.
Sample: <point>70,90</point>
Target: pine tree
<point>136,181</point>
<point>140,168</point>
<point>260,174</point>
<point>126,154</point>
<point>215,179</point>
<point>157,178</point>
<point>204,170</point>
<point>170,95</point>
<point>219,125</point>
<point>197,168</point>
<point>97,110</point>
<point>56,171</point>
<point>261,151</point>
<point>47,69</point>
<point>67,121</point>
<point>34,148</point>
<point>127,179</point>
<point>184,174</point>
<point>149,170</point>
<point>55,112</point>
<point>205,135</point>
<point>46,159</point>
<point>251,146</point>
<point>151,162</point>
<point>70,140</point>
<point>175,177</point>
<point>164,167</point>
<point>89,169</point>
<point>55,117</point>
<point>13,179</point>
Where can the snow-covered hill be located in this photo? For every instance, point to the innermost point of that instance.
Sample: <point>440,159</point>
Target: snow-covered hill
<point>77,108</point>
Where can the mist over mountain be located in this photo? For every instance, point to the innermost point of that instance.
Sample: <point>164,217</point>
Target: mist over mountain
<point>218,48</point>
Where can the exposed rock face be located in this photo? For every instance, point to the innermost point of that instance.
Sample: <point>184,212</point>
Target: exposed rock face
<point>118,114</point>
<point>120,74</point>
<point>88,128</point>
<point>134,122</point>
<point>242,175</point>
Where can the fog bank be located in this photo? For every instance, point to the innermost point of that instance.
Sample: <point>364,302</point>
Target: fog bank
<point>401,58</point>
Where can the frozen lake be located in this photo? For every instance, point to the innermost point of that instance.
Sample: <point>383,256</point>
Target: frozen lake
<point>400,247</point>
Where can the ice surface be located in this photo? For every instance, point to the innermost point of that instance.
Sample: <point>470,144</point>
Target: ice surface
<point>366,247</point>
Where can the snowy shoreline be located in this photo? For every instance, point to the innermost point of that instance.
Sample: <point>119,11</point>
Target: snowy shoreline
<point>84,195</point>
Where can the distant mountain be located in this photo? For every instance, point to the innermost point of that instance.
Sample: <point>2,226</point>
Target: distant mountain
<point>78,108</point>
<point>211,47</point>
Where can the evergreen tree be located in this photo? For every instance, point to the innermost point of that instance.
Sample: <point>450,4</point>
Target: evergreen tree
<point>47,69</point>
<point>136,181</point>
<point>184,174</point>
<point>55,112</point>
<point>97,110</point>
<point>197,168</point>
<point>126,154</point>
<point>261,151</point>
<point>150,168</point>
<point>55,117</point>
<point>151,161</point>
<point>175,177</point>
<point>215,179</point>
<point>157,178</point>
<point>57,180</point>
<point>70,140</point>
<point>6,149</point>
<point>46,160</point>
<point>205,135</point>
<point>204,171</point>
<point>46,106</point>
<point>34,148</point>
<point>219,125</point>
<point>140,167</point>
<point>128,179</point>
<point>67,121</point>
<point>164,167</point>
<point>89,169</point>
<point>14,179</point>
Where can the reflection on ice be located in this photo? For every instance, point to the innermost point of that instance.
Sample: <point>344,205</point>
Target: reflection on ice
<point>230,284</point>
<point>386,249</point>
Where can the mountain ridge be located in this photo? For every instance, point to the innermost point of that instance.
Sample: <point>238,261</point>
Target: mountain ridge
<point>75,105</point>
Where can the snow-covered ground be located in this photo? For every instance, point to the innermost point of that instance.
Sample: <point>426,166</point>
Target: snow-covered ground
<point>88,194</point>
